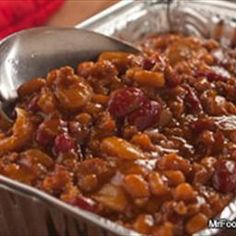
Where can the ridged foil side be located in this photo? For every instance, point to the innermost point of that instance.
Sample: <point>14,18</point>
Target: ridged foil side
<point>132,20</point>
<point>27,211</point>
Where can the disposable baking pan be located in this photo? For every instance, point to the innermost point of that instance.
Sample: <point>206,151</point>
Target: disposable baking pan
<point>26,211</point>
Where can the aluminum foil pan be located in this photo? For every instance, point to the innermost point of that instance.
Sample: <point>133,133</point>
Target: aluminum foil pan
<point>26,211</point>
<point>132,20</point>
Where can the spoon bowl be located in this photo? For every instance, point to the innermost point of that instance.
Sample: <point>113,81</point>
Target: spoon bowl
<point>33,53</point>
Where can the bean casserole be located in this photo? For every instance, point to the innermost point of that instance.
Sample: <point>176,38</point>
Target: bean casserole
<point>147,141</point>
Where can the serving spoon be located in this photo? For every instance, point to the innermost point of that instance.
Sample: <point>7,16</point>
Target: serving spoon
<point>33,53</point>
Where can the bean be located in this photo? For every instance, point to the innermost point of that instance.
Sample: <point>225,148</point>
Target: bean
<point>136,186</point>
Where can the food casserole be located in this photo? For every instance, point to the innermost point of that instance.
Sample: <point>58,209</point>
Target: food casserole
<point>164,7</point>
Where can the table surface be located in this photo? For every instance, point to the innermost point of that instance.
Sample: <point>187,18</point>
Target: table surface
<point>73,12</point>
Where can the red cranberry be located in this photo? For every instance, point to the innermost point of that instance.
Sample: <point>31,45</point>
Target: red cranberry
<point>146,116</point>
<point>63,143</point>
<point>191,100</point>
<point>33,105</point>
<point>148,63</point>
<point>85,203</point>
<point>124,101</point>
<point>224,178</point>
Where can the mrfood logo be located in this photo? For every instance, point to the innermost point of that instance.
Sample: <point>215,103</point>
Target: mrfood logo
<point>221,224</point>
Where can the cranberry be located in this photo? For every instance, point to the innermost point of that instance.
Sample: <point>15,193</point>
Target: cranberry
<point>33,105</point>
<point>85,203</point>
<point>224,178</point>
<point>63,143</point>
<point>191,100</point>
<point>124,101</point>
<point>148,63</point>
<point>146,116</point>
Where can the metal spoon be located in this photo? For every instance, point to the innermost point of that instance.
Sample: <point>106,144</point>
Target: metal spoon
<point>32,53</point>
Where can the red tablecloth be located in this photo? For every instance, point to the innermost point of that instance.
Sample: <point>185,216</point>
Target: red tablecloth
<point>16,15</point>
